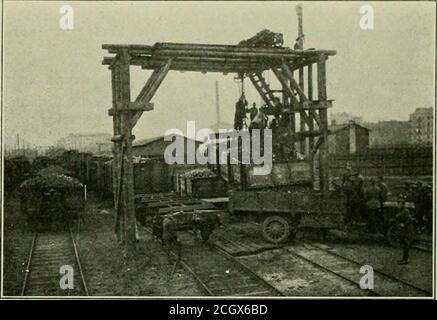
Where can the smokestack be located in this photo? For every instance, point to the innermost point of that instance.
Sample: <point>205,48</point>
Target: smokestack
<point>300,35</point>
<point>217,103</point>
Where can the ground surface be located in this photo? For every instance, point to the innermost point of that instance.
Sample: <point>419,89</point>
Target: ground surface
<point>150,273</point>
<point>17,241</point>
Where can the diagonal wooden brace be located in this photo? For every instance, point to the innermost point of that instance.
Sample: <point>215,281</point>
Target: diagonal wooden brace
<point>283,80</point>
<point>148,91</point>
<point>306,102</point>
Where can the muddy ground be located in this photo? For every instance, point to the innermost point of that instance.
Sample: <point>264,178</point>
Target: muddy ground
<point>150,272</point>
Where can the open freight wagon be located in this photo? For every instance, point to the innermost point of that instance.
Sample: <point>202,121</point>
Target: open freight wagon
<point>284,201</point>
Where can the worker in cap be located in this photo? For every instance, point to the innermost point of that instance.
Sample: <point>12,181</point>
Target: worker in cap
<point>405,223</point>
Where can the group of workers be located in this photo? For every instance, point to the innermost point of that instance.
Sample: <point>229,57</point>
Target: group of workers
<point>259,117</point>
<point>366,202</point>
<point>275,117</point>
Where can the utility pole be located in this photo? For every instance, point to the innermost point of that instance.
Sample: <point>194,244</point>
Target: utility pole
<point>18,144</point>
<point>217,103</point>
<point>299,12</point>
<point>299,45</point>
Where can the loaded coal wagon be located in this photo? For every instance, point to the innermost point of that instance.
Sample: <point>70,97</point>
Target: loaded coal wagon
<point>284,201</point>
<point>51,200</point>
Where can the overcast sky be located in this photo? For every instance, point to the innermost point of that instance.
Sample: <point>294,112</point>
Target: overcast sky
<point>54,83</point>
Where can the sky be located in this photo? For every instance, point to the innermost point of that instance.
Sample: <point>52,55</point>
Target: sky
<point>54,83</point>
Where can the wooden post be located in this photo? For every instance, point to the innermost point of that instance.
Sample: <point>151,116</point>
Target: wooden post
<point>302,121</point>
<point>128,176</point>
<point>117,150</point>
<point>323,114</point>
<point>311,124</point>
<point>292,113</point>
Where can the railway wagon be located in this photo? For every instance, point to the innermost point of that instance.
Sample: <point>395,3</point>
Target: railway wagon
<point>201,183</point>
<point>16,170</point>
<point>51,201</point>
<point>284,201</point>
<point>151,175</point>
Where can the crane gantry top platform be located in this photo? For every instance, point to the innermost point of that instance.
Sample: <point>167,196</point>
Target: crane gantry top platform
<point>214,57</point>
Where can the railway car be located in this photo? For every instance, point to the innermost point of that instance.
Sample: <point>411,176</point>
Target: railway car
<point>51,201</point>
<point>284,201</point>
<point>16,170</point>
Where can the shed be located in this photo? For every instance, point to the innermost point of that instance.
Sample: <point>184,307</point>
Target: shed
<point>348,138</point>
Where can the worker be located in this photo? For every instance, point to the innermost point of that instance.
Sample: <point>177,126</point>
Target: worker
<point>419,199</point>
<point>298,45</point>
<point>277,108</point>
<point>258,119</point>
<point>346,186</point>
<point>170,237</point>
<point>383,194</point>
<point>240,113</point>
<point>373,205</point>
<point>405,223</point>
<point>428,199</point>
<point>253,111</point>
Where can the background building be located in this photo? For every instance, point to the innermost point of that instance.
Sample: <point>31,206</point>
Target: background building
<point>92,142</point>
<point>388,133</point>
<point>421,126</point>
<point>348,138</point>
<point>344,118</point>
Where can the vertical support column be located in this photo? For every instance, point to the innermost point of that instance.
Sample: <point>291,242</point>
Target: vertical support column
<point>301,100</point>
<point>311,124</point>
<point>117,149</point>
<point>323,114</point>
<point>292,109</point>
<point>128,176</point>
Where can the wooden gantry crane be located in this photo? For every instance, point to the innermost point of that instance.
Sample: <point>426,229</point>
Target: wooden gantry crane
<point>250,61</point>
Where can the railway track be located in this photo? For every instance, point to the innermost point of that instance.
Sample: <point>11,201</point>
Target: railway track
<point>220,274</point>
<point>48,253</point>
<point>348,269</point>
<point>422,245</point>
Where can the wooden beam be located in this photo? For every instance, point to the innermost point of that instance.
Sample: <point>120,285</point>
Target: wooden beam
<point>311,124</point>
<point>302,99</point>
<point>148,91</point>
<point>131,107</point>
<point>295,102</point>
<point>305,101</point>
<point>127,177</point>
<point>323,150</point>
<point>117,150</point>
